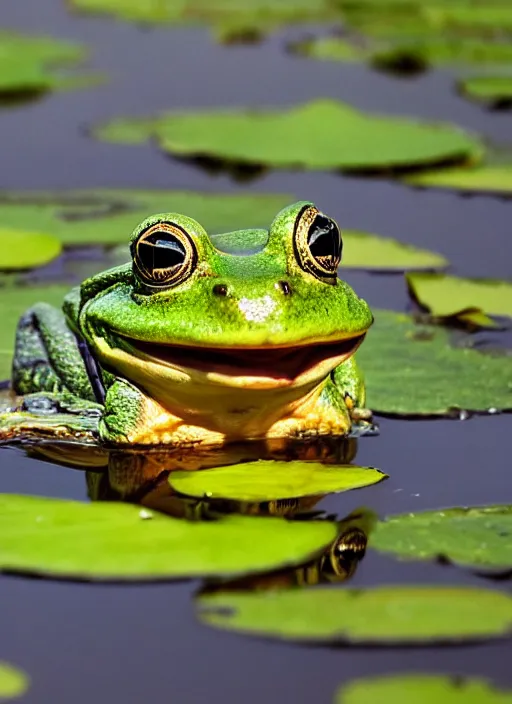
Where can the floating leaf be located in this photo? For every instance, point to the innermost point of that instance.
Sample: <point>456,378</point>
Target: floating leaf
<point>495,91</point>
<point>361,250</point>
<point>109,216</point>
<point>329,49</point>
<point>434,377</point>
<point>453,297</point>
<point>28,63</point>
<point>21,249</point>
<point>106,541</point>
<point>382,615</point>
<point>268,480</point>
<point>322,134</point>
<point>476,537</point>
<point>13,682</point>
<point>490,178</point>
<point>235,13</point>
<point>420,689</point>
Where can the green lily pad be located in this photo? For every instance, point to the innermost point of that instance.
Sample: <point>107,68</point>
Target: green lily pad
<point>421,689</point>
<point>14,302</point>
<point>329,49</point>
<point>267,480</point>
<point>434,377</point>
<point>366,251</point>
<point>25,250</point>
<point>322,134</point>
<point>475,537</point>
<point>113,541</point>
<point>383,615</point>
<point>13,682</point>
<point>495,91</point>
<point>109,216</point>
<point>239,13</point>
<point>453,297</point>
<point>361,250</point>
<point>28,63</point>
<point>488,178</point>
<point>448,51</point>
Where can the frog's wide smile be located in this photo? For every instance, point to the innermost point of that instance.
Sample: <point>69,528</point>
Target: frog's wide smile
<point>275,362</point>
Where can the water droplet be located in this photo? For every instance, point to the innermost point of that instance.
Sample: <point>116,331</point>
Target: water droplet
<point>145,515</point>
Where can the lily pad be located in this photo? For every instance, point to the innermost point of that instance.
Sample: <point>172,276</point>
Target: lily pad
<point>322,134</point>
<point>421,689</point>
<point>494,91</point>
<point>329,49</point>
<point>13,682</point>
<point>239,13</point>
<point>117,541</point>
<point>452,297</point>
<point>22,249</point>
<point>28,64</point>
<point>434,377</point>
<point>488,178</point>
<point>268,480</point>
<point>475,537</point>
<point>383,615</point>
<point>109,216</point>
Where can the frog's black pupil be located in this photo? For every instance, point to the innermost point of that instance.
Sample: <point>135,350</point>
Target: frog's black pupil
<point>324,240</point>
<point>161,250</point>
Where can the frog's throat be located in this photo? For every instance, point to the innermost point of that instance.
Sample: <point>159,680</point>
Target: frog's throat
<point>238,367</point>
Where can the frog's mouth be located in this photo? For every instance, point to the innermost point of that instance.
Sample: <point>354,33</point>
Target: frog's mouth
<point>286,364</point>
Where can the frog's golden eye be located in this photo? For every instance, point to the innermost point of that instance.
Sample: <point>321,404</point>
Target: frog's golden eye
<point>318,244</point>
<point>163,255</point>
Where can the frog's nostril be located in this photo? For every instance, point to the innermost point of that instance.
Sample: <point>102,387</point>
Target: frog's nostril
<point>284,286</point>
<point>220,290</point>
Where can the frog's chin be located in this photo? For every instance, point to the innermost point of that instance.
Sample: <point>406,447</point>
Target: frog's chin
<point>237,367</point>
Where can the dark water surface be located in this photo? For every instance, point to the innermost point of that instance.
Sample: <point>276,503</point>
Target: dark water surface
<point>129,644</point>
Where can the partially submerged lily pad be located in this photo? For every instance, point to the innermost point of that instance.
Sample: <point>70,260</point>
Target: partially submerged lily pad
<point>434,377</point>
<point>421,689</point>
<point>109,216</point>
<point>383,615</point>
<point>28,64</point>
<point>268,480</point>
<point>322,134</point>
<point>487,178</point>
<point>22,249</point>
<point>117,541</point>
<point>467,299</point>
<point>494,91</point>
<point>13,682</point>
<point>478,537</point>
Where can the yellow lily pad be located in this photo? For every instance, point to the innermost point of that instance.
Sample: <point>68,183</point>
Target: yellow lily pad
<point>22,249</point>
<point>13,682</point>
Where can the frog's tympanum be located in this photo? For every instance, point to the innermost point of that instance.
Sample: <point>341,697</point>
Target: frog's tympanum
<point>205,340</point>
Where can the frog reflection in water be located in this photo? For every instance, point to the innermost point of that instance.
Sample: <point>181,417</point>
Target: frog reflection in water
<point>204,341</point>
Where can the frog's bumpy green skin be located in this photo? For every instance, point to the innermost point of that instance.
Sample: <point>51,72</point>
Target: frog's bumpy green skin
<point>254,310</point>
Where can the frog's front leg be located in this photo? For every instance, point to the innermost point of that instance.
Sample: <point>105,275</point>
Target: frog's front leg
<point>47,357</point>
<point>349,381</point>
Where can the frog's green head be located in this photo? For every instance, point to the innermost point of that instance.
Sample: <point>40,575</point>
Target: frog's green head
<point>270,312</point>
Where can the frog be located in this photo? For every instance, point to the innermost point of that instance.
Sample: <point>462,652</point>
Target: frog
<point>204,340</point>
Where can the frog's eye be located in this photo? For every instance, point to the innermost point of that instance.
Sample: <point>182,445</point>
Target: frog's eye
<point>318,244</point>
<point>163,255</point>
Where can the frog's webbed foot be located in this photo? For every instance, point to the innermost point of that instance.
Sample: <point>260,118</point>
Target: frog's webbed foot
<point>49,416</point>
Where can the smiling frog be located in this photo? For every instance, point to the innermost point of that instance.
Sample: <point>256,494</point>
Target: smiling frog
<point>206,340</point>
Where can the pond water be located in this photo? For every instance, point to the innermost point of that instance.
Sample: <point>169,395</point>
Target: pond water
<point>100,643</point>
